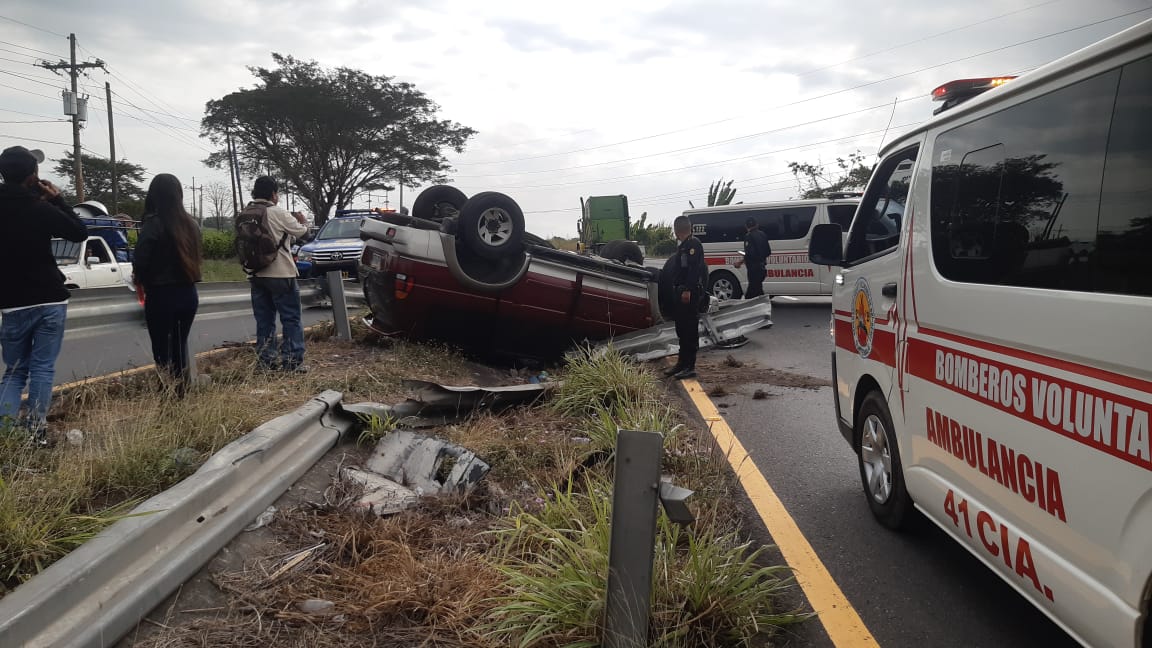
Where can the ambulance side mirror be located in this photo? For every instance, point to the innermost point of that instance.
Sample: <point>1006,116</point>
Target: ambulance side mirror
<point>827,245</point>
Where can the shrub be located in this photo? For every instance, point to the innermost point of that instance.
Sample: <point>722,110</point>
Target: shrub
<point>219,245</point>
<point>664,248</point>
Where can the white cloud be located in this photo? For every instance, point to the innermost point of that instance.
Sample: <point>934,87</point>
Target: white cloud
<point>555,89</point>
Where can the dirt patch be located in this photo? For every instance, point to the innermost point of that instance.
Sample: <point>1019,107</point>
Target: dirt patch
<point>723,374</point>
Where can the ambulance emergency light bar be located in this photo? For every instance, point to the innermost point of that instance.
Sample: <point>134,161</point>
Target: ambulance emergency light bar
<point>957,92</point>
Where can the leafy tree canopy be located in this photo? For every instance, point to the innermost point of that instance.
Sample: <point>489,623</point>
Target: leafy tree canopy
<point>98,181</point>
<point>816,180</point>
<point>332,134</point>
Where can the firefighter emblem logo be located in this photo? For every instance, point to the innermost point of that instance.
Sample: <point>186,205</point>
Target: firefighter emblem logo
<point>863,318</point>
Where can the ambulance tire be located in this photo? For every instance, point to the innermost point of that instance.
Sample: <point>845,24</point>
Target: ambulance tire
<point>724,285</point>
<point>881,471</point>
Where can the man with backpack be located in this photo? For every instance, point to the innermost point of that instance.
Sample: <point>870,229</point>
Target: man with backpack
<point>264,234</point>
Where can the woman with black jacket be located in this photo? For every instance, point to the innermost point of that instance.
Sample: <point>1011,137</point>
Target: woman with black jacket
<point>166,264</point>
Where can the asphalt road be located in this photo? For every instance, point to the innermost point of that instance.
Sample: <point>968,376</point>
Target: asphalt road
<point>913,589</point>
<point>94,355</point>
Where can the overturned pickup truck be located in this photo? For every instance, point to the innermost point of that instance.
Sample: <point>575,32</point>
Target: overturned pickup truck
<point>464,270</point>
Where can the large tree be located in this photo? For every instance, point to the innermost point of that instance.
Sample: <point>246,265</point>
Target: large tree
<point>98,181</point>
<point>815,180</point>
<point>332,134</point>
<point>219,207</point>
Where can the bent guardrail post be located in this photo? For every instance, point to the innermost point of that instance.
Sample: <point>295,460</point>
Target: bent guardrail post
<point>632,545</point>
<point>638,486</point>
<point>339,305</point>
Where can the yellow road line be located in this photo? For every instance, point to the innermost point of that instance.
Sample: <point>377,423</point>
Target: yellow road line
<point>840,619</point>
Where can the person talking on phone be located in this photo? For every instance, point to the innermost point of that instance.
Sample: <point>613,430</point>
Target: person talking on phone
<point>33,299</point>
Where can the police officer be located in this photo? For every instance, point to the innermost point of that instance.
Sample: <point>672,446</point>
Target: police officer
<point>757,249</point>
<point>688,288</point>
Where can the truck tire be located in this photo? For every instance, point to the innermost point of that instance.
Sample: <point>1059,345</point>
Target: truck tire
<point>438,202</point>
<point>492,225</point>
<point>622,251</point>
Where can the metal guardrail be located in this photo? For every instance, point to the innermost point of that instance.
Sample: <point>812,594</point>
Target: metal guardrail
<point>95,595</point>
<point>92,311</point>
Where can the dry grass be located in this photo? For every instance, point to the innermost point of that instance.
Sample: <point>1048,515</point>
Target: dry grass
<point>138,439</point>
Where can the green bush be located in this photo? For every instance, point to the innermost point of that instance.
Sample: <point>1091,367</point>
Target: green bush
<point>219,245</point>
<point>664,248</point>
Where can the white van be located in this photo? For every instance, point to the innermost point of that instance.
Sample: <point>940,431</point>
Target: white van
<point>788,225</point>
<point>993,360</point>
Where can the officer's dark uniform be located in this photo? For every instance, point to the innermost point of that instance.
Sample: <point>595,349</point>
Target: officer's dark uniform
<point>757,249</point>
<point>689,276</point>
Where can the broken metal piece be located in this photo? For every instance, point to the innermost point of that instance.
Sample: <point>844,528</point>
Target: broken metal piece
<point>427,465</point>
<point>382,495</point>
<point>725,327</point>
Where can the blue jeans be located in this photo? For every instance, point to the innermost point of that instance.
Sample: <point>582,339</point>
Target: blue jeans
<point>31,340</point>
<point>271,297</point>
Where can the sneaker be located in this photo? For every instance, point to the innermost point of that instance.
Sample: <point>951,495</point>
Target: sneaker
<point>672,371</point>
<point>684,373</point>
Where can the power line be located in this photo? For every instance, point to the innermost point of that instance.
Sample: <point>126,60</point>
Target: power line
<point>29,78</point>
<point>822,96</point>
<point>28,91</point>
<point>710,164</point>
<point>33,139</point>
<point>34,121</point>
<point>31,49</point>
<point>46,31</point>
<point>18,112</point>
<point>697,147</point>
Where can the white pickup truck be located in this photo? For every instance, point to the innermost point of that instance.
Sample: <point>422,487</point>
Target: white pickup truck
<point>90,264</point>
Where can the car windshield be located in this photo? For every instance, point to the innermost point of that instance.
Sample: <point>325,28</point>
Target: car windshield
<point>340,229</point>
<point>66,252</point>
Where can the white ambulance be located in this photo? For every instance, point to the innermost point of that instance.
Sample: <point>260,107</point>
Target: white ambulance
<point>993,357</point>
<point>789,226</point>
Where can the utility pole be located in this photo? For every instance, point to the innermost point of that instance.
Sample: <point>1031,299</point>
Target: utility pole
<point>232,176</point>
<point>112,149</point>
<point>199,219</point>
<point>74,70</point>
<point>236,168</point>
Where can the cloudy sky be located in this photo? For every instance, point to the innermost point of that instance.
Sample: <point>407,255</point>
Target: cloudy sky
<point>654,99</point>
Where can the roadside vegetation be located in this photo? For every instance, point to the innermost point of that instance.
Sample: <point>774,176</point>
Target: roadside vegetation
<point>122,440</point>
<point>520,561</point>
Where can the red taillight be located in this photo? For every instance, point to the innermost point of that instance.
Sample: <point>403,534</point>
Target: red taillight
<point>403,286</point>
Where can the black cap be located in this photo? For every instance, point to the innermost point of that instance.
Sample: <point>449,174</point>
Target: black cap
<point>750,222</point>
<point>17,163</point>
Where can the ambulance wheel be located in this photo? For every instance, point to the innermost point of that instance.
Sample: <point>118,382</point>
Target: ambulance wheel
<point>724,285</point>
<point>881,472</point>
<point>492,225</point>
<point>438,202</point>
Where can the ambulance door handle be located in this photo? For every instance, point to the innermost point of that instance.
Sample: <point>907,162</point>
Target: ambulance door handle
<point>889,289</point>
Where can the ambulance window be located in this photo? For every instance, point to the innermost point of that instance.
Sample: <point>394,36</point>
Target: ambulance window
<point>1016,194</point>
<point>784,224</point>
<point>841,215</point>
<point>719,226</point>
<point>876,228</point>
<point>1124,241</point>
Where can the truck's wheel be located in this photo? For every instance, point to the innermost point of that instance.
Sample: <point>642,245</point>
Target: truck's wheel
<point>438,202</point>
<point>724,285</point>
<point>492,225</point>
<point>881,471</point>
<point>622,251</point>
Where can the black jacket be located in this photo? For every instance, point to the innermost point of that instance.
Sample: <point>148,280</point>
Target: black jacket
<point>27,226</point>
<point>691,270</point>
<point>757,249</point>
<point>155,261</point>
